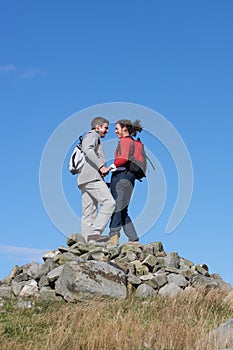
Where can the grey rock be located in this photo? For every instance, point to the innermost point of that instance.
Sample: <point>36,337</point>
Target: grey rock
<point>113,251</point>
<point>43,282</point>
<point>157,268</point>
<point>144,291</point>
<point>134,280</point>
<point>179,280</point>
<point>172,260</point>
<point>150,261</point>
<point>131,256</point>
<point>82,280</point>
<point>16,270</point>
<point>5,291</point>
<point>97,255</point>
<point>74,238</point>
<point>49,294</point>
<point>24,304</point>
<point>161,279</point>
<point>126,248</point>
<point>21,277</point>
<point>170,269</point>
<point>33,271</point>
<point>80,248</point>
<point>158,248</point>
<point>202,269</point>
<point>203,281</point>
<point>30,288</point>
<point>55,274</point>
<point>63,249</point>
<point>66,257</point>
<point>187,273</point>
<point>51,254</point>
<point>185,263</point>
<point>170,290</point>
<point>220,337</point>
<point>17,286</point>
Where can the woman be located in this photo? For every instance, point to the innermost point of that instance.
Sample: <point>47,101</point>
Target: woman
<point>122,181</point>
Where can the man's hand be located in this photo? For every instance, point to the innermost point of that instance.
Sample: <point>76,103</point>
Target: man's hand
<point>104,171</point>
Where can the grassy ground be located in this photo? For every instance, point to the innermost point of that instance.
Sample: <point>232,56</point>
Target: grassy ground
<point>156,323</point>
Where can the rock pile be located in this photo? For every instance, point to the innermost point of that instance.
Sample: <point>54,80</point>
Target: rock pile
<point>81,270</point>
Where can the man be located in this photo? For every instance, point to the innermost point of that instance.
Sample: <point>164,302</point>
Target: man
<point>90,182</point>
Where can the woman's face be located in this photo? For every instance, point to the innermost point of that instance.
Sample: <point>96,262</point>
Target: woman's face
<point>121,131</point>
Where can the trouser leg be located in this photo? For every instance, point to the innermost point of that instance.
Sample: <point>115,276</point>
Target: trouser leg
<point>89,212</point>
<point>99,192</point>
<point>122,188</point>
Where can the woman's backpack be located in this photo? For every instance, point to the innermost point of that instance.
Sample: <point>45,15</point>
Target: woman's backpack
<point>138,159</point>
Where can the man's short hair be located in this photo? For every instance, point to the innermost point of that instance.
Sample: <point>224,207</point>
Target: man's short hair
<point>98,121</point>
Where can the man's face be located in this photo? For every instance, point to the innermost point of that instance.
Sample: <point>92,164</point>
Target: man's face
<point>103,129</point>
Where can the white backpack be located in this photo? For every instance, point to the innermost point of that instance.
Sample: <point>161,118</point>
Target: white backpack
<point>77,159</point>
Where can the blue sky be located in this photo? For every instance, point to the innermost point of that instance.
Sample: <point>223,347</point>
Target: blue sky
<point>174,57</point>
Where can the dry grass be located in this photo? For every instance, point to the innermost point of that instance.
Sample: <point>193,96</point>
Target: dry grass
<point>157,323</point>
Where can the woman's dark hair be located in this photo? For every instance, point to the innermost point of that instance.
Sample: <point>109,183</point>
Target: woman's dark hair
<point>132,127</point>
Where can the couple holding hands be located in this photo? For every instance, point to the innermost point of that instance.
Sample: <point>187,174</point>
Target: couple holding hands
<point>95,192</point>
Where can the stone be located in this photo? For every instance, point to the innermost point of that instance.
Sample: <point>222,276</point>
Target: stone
<point>134,280</point>
<point>74,238</point>
<point>150,261</point>
<point>219,337</point>
<point>14,272</point>
<point>179,280</point>
<point>34,271</point>
<point>21,277</point>
<point>126,248</point>
<point>170,290</point>
<point>84,269</point>
<point>140,269</point>
<point>144,291</point>
<point>5,291</point>
<point>81,248</point>
<point>49,294</point>
<point>161,279</point>
<point>157,268</point>
<point>66,257</point>
<point>63,249</point>
<point>83,280</point>
<point>187,273</point>
<point>30,288</point>
<point>130,256</point>
<point>158,249</point>
<point>172,260</point>
<point>43,282</point>
<point>17,286</point>
<point>203,281</point>
<point>202,269</point>
<point>55,274</point>
<point>24,304</point>
<point>98,255</point>
<point>51,254</point>
<point>185,263</point>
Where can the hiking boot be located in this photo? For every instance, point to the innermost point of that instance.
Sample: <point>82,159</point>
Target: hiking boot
<point>97,238</point>
<point>114,240</point>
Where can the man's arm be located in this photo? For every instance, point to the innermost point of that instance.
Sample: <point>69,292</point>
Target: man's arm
<point>89,144</point>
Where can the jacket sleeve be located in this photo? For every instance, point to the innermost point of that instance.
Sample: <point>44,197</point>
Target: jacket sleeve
<point>122,153</point>
<point>89,145</point>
